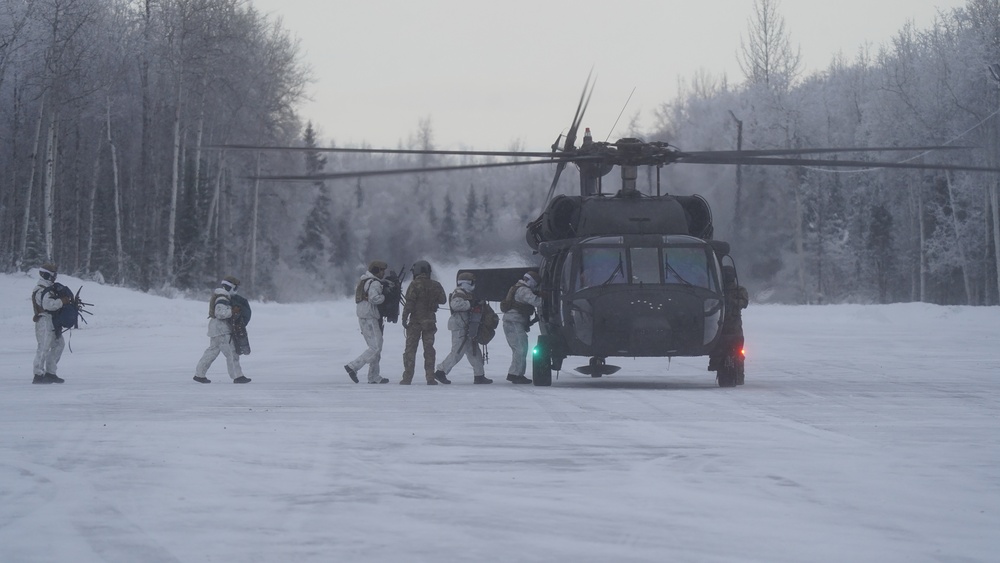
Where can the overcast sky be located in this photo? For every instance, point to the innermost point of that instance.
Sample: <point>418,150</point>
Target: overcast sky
<point>488,74</point>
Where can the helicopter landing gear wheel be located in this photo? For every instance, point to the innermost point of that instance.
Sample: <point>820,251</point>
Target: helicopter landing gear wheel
<point>597,367</point>
<point>729,373</point>
<point>541,363</point>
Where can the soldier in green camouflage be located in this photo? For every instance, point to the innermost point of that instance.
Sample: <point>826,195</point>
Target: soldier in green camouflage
<point>420,321</point>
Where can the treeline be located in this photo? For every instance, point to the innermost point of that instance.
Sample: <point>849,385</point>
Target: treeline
<point>466,216</point>
<point>813,235</point>
<point>110,114</point>
<point>111,111</point>
<point>107,108</point>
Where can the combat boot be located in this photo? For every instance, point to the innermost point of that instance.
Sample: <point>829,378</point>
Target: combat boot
<point>351,373</point>
<point>482,380</point>
<point>440,376</point>
<point>53,378</point>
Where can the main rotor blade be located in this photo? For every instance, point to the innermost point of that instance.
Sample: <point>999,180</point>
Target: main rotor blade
<point>862,164</point>
<point>396,171</point>
<point>555,181</point>
<point>790,152</point>
<point>379,151</point>
<point>581,108</point>
<point>570,144</point>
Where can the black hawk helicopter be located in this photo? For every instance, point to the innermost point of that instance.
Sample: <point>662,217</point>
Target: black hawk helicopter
<point>627,274</point>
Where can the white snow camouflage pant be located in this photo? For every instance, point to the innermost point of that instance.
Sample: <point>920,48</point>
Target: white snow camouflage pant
<point>223,344</point>
<point>517,338</point>
<point>462,346</point>
<point>50,347</point>
<point>373,337</point>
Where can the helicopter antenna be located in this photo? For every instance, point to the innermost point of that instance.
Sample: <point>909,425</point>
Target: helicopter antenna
<point>620,115</point>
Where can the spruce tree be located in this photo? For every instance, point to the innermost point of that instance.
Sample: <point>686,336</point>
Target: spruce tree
<point>880,249</point>
<point>472,224</point>
<point>341,251</point>
<point>314,245</point>
<point>489,220</point>
<point>471,207</point>
<point>432,216</point>
<point>448,234</point>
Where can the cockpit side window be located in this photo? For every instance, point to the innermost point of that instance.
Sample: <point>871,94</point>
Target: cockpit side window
<point>686,265</point>
<point>601,266</point>
<point>645,265</point>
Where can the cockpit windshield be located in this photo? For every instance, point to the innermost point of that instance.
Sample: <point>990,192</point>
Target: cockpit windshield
<point>609,260</point>
<point>685,265</point>
<point>602,266</point>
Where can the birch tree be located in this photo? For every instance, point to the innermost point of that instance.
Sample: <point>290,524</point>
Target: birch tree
<point>766,55</point>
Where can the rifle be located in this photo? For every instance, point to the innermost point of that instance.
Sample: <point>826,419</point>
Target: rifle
<point>399,280</point>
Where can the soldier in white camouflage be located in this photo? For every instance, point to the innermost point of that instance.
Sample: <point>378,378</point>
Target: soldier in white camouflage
<point>50,340</point>
<point>464,306</point>
<point>220,309</point>
<point>368,296</point>
<point>520,304</point>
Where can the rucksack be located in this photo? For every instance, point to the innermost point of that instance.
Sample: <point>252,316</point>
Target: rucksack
<point>389,308</point>
<point>508,302</point>
<point>67,316</point>
<point>488,324</point>
<point>243,318</point>
<point>238,325</point>
<point>393,293</point>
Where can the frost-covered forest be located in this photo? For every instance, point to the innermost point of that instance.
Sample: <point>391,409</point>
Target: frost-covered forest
<point>110,111</point>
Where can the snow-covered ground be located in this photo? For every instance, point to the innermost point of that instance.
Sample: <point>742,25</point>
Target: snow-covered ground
<point>863,433</point>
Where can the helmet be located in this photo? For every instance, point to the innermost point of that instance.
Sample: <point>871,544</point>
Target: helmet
<point>230,283</point>
<point>467,281</point>
<point>48,271</point>
<point>377,266</point>
<point>531,279</point>
<point>421,267</point>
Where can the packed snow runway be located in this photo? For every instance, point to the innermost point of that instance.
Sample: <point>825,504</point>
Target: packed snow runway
<point>863,433</point>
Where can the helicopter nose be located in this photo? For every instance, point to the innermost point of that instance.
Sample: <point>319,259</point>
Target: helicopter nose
<point>653,324</point>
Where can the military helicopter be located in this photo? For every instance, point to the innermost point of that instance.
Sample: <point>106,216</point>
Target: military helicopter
<point>624,274</point>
